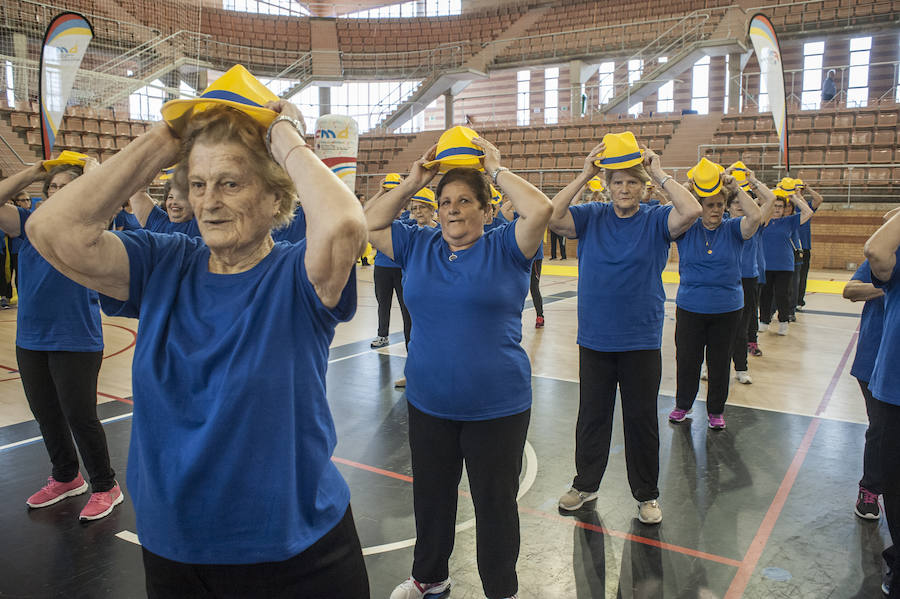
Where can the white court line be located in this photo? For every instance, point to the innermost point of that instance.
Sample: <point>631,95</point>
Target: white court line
<point>127,535</point>
<point>33,439</point>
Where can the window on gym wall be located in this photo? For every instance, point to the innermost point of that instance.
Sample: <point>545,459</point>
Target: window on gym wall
<point>665,97</point>
<point>10,88</point>
<point>523,98</point>
<point>635,69</point>
<point>551,96</point>
<point>811,96</point>
<point>266,7</point>
<point>428,8</point>
<point>144,104</point>
<point>700,86</point>
<point>858,79</point>
<point>605,88</point>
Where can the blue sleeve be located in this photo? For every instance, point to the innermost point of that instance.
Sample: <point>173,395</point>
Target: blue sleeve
<point>895,274</point>
<point>402,239</point>
<point>734,225</point>
<point>157,220</point>
<point>583,215</point>
<point>294,231</point>
<point>794,224</point>
<point>863,273</point>
<point>512,247</point>
<point>346,306</point>
<point>23,216</point>
<point>661,214</point>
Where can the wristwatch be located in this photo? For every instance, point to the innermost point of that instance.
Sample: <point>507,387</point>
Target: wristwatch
<point>494,173</point>
<point>298,125</point>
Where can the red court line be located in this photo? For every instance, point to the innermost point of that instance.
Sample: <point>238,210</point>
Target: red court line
<point>570,521</point>
<point>122,399</point>
<point>127,347</point>
<point>754,552</point>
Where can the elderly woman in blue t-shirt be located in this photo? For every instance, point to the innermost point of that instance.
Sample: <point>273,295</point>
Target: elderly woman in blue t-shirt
<point>710,295</point>
<point>622,250</point>
<point>229,467</point>
<point>59,349</point>
<point>463,284</point>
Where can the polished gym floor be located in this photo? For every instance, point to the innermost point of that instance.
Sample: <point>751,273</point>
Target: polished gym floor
<point>762,509</point>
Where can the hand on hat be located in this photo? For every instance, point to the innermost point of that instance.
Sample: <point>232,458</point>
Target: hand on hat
<point>652,163</point>
<point>591,169</point>
<point>283,107</point>
<point>491,160</point>
<point>90,163</point>
<point>730,183</point>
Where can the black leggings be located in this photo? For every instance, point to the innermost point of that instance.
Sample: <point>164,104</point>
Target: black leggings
<point>887,417</point>
<point>61,388</point>
<point>492,452</point>
<point>747,322</point>
<point>536,298</point>
<point>387,281</point>
<point>636,374</point>
<point>695,333</point>
<point>804,274</point>
<point>871,478</point>
<point>332,568</point>
<point>554,240</point>
<point>777,285</point>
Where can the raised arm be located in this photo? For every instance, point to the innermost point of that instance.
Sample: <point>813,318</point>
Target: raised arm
<point>817,198</point>
<point>9,187</point>
<point>336,227</point>
<point>805,211</point>
<point>533,207</point>
<point>70,228</point>
<point>765,197</point>
<point>382,209</point>
<point>881,248</point>
<point>561,221</point>
<point>860,291</point>
<point>752,213</point>
<point>141,205</point>
<point>685,207</point>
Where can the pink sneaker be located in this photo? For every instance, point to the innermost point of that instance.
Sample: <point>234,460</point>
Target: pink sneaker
<point>678,415</point>
<point>101,505</point>
<point>717,421</point>
<point>55,491</point>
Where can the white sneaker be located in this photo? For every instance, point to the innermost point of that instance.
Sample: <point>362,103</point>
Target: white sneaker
<point>379,342</point>
<point>649,512</point>
<point>743,377</point>
<point>782,328</point>
<point>763,326</point>
<point>413,589</point>
<point>704,372</point>
<point>574,499</point>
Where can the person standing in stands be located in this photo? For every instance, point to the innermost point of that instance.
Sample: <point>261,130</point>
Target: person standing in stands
<point>776,242</point>
<point>883,253</point>
<point>710,296</point>
<point>806,241</point>
<point>829,88</point>
<point>59,349</point>
<point>622,250</point>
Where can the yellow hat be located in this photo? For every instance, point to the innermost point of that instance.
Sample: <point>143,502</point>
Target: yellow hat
<point>455,149</point>
<point>66,157</point>
<point>596,184</point>
<point>799,184</point>
<point>705,177</point>
<point>168,173</point>
<point>426,196</point>
<point>391,180</point>
<point>780,193</point>
<point>788,184</point>
<point>236,88</point>
<point>496,196</point>
<point>739,172</point>
<point>621,151</point>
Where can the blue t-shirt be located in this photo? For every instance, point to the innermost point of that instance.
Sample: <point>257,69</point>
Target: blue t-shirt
<point>55,313</point>
<point>776,242</point>
<point>231,444</point>
<point>293,232</point>
<point>126,221</point>
<point>621,300</point>
<point>749,256</point>
<point>468,315</point>
<point>761,255</point>
<point>496,222</point>
<point>381,258</point>
<point>885,381</point>
<point>710,282</point>
<point>870,328</point>
<point>158,222</point>
<point>806,232</point>
<point>539,254</point>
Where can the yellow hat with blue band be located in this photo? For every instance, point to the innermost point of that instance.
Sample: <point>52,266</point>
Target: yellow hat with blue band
<point>782,193</point>
<point>66,157</point>
<point>788,184</point>
<point>496,196</point>
<point>168,173</point>
<point>455,149</point>
<point>621,151</point>
<point>739,172</point>
<point>426,196</point>
<point>799,184</point>
<point>706,178</point>
<point>391,180</point>
<point>596,184</point>
<point>236,88</point>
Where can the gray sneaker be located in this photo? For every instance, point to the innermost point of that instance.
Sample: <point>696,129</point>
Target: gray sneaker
<point>379,342</point>
<point>649,512</point>
<point>574,499</point>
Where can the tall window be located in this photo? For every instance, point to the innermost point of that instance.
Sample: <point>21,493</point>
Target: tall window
<point>811,97</point>
<point>665,99</point>
<point>266,7</point>
<point>700,86</point>
<point>858,82</point>
<point>635,69</point>
<point>551,96</point>
<point>10,88</point>
<point>415,8</point>
<point>605,89</point>
<point>523,98</point>
<point>763,100</point>
<point>897,95</point>
<point>370,102</point>
<point>144,104</point>
<point>308,103</point>
<point>727,78</point>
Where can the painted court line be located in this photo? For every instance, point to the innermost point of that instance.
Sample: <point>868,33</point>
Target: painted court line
<point>36,439</point>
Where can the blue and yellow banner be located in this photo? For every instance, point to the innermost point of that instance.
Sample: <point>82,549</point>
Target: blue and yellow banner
<point>768,54</point>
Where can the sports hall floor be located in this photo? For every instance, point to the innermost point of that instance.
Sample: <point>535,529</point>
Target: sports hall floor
<point>762,509</point>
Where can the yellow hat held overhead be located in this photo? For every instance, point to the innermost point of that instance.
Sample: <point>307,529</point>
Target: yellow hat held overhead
<point>781,193</point>
<point>621,151</point>
<point>236,88</point>
<point>788,184</point>
<point>706,178</point>
<point>426,196</point>
<point>391,180</point>
<point>66,157</point>
<point>739,172</point>
<point>496,196</point>
<point>168,173</point>
<point>596,184</point>
<point>455,149</point>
